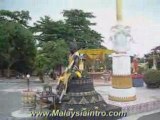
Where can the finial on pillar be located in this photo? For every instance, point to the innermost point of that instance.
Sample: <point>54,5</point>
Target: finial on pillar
<point>119,10</point>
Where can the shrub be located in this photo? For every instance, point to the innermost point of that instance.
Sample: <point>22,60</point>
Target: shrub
<point>141,70</point>
<point>152,78</point>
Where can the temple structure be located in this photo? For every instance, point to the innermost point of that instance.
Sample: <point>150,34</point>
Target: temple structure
<point>121,89</point>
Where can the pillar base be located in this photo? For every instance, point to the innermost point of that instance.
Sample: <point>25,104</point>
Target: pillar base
<point>21,114</point>
<point>122,95</point>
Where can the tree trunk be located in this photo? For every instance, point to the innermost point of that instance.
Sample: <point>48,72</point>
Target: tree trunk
<point>8,72</point>
<point>2,72</point>
<point>41,78</point>
<point>60,69</point>
<point>154,63</point>
<point>53,74</point>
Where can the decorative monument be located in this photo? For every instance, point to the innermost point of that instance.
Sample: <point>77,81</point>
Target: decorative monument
<point>135,68</point>
<point>76,91</point>
<point>122,89</point>
<point>137,76</point>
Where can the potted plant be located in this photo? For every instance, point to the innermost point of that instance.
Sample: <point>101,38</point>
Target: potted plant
<point>137,80</point>
<point>152,78</point>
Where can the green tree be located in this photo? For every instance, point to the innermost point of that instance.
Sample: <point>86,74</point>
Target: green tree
<point>78,28</point>
<point>41,65</point>
<point>53,55</point>
<point>56,52</point>
<point>50,33</point>
<point>16,45</point>
<point>153,58</point>
<point>108,62</point>
<point>49,30</point>
<point>21,17</point>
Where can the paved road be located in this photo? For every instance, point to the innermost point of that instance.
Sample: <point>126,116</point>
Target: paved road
<point>10,98</point>
<point>154,116</point>
<point>9,102</point>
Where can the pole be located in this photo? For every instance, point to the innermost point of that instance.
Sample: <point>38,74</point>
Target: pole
<point>119,10</point>
<point>28,76</point>
<point>28,84</point>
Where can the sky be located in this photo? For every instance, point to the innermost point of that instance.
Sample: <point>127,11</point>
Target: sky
<point>141,15</point>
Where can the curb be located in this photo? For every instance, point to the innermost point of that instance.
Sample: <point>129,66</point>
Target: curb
<point>23,81</point>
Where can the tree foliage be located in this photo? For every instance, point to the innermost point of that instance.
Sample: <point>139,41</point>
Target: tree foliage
<point>154,54</point>
<point>17,47</point>
<point>78,28</point>
<point>17,43</point>
<point>75,27</point>
<point>21,17</point>
<point>52,54</point>
<point>49,30</point>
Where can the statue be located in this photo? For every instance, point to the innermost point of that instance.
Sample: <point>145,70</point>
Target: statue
<point>75,88</point>
<point>73,71</point>
<point>137,76</point>
<point>135,65</point>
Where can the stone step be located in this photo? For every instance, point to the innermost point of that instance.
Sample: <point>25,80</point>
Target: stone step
<point>141,108</point>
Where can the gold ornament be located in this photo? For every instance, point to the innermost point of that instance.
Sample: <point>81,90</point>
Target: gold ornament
<point>122,99</point>
<point>121,82</point>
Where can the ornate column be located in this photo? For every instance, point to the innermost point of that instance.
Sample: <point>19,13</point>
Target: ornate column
<point>121,89</point>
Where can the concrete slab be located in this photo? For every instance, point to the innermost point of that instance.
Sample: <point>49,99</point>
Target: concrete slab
<point>147,100</point>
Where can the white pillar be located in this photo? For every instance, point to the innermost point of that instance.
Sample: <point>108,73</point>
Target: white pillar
<point>121,89</point>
